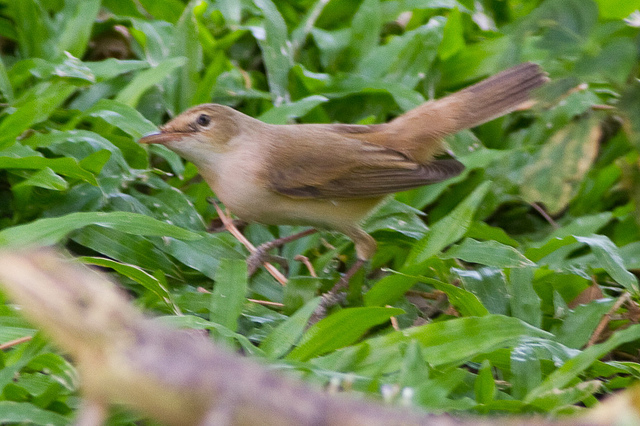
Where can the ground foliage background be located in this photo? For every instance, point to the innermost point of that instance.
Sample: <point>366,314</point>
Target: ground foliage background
<point>516,292</point>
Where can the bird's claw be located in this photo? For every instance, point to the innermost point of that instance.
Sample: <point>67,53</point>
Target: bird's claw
<point>260,256</point>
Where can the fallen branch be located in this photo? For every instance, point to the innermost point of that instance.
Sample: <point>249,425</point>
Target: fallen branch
<point>176,377</point>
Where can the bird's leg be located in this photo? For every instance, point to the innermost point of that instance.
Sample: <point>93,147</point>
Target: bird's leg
<point>365,249</point>
<point>337,294</point>
<point>261,254</point>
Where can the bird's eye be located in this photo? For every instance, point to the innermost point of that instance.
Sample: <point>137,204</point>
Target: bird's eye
<point>203,120</point>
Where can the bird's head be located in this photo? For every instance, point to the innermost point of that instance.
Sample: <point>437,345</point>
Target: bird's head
<point>199,131</point>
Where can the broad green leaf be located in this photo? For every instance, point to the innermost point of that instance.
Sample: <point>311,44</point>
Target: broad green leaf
<point>44,178</point>
<point>562,163</point>
<point>69,67</point>
<point>453,37</point>
<point>121,116</point>
<point>365,29</point>
<point>5,85</point>
<point>525,368</point>
<point>448,229</point>
<point>287,334</point>
<point>629,106</point>
<point>23,355</point>
<point>614,9</point>
<point>485,386</point>
<point>203,254</point>
<point>144,80</point>
<point>35,31</point>
<point>197,323</point>
<point>523,299</point>
<point>79,17</point>
<point>340,329</point>
<point>46,98</point>
<point>111,67</point>
<point>284,113</point>
<point>229,293</point>
<point>167,10</point>
<point>58,367</point>
<point>463,300</point>
<point>187,50</point>
<point>404,59</point>
<point>134,272</point>
<point>49,231</point>
<point>396,216</point>
<point>389,289</point>
<point>443,343</point>
<point>302,31</point>
<point>556,399</point>
<point>25,412</point>
<point>490,253</point>
<point>607,254</point>
<point>127,248</point>
<point>63,166</point>
<point>276,50</point>
<point>573,367</point>
<point>488,284</point>
<point>578,326</point>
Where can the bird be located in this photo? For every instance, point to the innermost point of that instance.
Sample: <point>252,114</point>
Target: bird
<point>333,176</point>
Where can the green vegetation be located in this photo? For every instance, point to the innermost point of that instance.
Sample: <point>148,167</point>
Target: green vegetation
<point>534,245</point>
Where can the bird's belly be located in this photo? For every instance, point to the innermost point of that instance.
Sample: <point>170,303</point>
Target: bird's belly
<point>254,204</point>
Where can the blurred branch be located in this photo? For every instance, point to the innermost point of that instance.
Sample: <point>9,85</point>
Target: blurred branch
<point>178,378</point>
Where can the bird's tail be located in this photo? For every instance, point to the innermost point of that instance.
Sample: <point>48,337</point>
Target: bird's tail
<point>500,94</point>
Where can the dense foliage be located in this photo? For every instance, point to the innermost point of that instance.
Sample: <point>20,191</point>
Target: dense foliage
<point>515,292</point>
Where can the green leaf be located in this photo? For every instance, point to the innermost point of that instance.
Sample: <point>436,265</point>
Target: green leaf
<point>490,253</point>
<point>229,293</point>
<point>144,80</point>
<point>488,284</point>
<point>203,254</point>
<point>51,230</point>
<point>135,273</point>
<point>523,299</point>
<point>615,9</point>
<point>111,67</point>
<point>47,97</point>
<point>44,178</point>
<point>286,335</point>
<point>186,48</point>
<point>36,36</point>
<point>63,166</point>
<point>526,370</point>
<point>276,51</point>
<point>578,326</point>
<point>197,323</point>
<point>485,386</point>
<point>445,343</point>
<point>573,367</point>
<point>121,116</point>
<point>562,163</point>
<point>448,229</point>
<point>365,29</point>
<point>283,113</point>
<point>78,17</point>
<point>24,412</point>
<point>609,257</point>
<point>464,301</point>
<point>453,37</point>
<point>340,329</point>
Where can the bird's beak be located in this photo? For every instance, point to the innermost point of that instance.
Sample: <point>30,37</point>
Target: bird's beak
<point>157,137</point>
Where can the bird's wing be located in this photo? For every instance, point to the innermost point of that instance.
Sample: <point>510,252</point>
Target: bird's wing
<point>345,168</point>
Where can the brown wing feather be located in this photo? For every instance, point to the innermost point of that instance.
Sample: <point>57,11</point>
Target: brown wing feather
<point>346,169</point>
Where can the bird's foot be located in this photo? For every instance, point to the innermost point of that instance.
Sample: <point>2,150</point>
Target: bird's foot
<point>261,255</point>
<point>337,294</point>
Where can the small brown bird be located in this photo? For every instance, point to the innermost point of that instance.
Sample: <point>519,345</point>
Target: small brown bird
<point>331,176</point>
